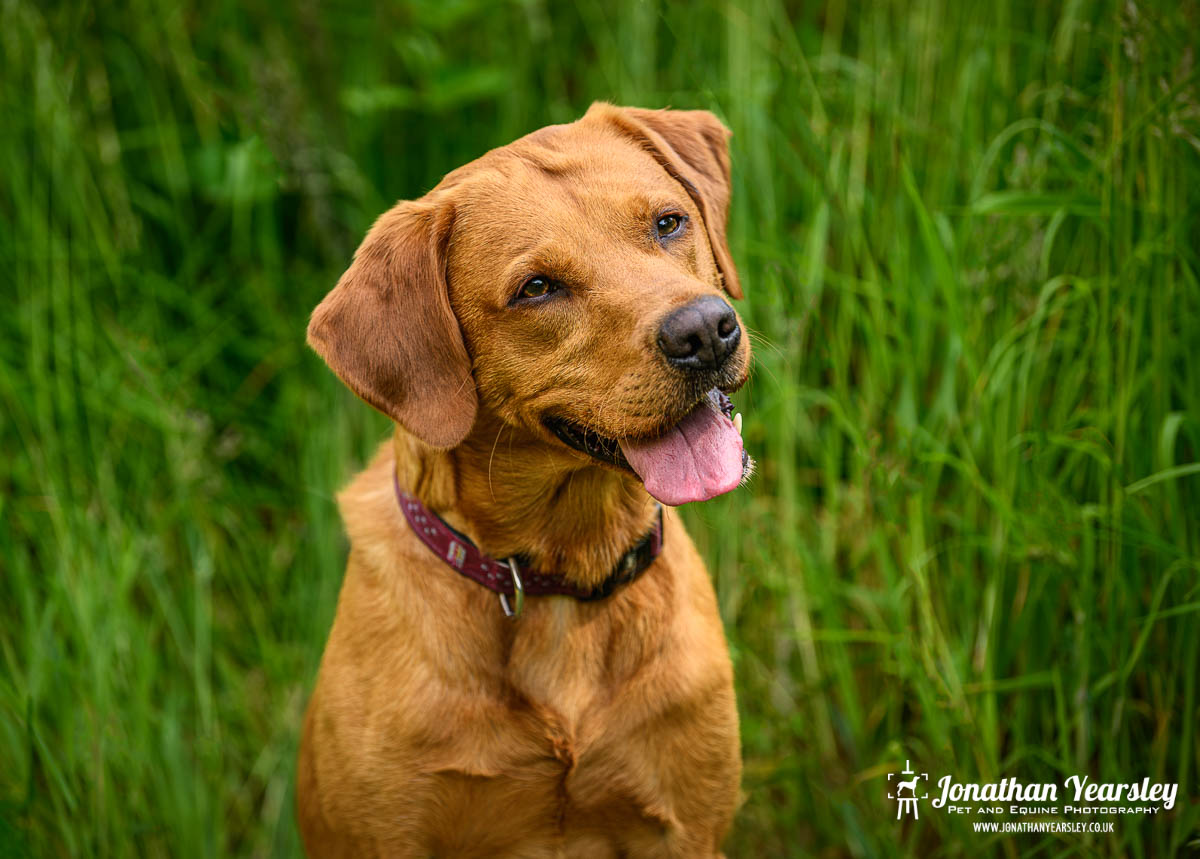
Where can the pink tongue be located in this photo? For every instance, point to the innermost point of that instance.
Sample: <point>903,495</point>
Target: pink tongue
<point>698,459</point>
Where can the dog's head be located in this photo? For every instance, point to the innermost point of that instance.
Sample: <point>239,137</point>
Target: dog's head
<point>573,284</point>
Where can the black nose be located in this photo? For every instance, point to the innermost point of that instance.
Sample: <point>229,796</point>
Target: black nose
<point>700,335</point>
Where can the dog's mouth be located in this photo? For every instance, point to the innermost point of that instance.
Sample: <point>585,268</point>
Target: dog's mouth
<point>698,458</point>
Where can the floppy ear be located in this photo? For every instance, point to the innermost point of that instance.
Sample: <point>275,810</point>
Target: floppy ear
<point>692,146</point>
<point>388,331</point>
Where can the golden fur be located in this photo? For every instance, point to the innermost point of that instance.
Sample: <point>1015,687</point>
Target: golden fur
<point>438,727</point>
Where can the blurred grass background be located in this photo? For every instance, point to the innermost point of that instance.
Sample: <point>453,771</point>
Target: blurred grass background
<point>968,235</point>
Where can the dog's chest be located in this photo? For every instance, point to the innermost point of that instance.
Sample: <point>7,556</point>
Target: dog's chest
<point>577,766</point>
<point>562,667</point>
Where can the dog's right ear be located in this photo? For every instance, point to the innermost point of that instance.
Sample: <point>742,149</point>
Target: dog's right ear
<point>388,331</point>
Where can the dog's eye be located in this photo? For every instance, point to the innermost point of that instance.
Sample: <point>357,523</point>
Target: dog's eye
<point>668,225</point>
<point>537,286</point>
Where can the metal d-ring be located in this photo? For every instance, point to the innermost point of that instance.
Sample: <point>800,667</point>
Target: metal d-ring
<point>514,612</point>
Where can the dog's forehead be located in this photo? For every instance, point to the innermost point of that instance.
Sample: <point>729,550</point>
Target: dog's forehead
<point>560,175</point>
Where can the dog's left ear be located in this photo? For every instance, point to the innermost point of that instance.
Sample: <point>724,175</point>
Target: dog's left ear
<point>693,147</point>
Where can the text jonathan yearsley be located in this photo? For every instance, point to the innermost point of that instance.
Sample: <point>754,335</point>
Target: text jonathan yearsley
<point>1079,788</point>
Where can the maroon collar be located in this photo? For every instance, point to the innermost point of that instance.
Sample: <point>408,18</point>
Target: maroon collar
<point>513,578</point>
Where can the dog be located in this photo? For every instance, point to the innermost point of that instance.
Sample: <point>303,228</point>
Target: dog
<point>527,658</point>
<point>911,785</point>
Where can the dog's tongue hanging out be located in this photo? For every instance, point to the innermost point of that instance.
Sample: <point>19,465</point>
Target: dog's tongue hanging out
<point>697,459</point>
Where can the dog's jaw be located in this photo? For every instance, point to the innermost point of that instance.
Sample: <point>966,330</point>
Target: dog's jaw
<point>693,459</point>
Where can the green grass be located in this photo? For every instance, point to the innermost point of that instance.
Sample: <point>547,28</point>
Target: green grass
<point>968,234</point>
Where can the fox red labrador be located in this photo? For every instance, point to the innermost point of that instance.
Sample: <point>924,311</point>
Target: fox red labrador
<point>527,658</point>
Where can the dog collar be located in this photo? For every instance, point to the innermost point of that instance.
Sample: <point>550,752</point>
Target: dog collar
<point>506,578</point>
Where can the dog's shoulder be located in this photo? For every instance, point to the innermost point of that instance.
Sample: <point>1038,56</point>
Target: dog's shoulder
<point>368,504</point>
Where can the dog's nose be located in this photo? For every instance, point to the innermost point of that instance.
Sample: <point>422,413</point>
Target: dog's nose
<point>700,335</point>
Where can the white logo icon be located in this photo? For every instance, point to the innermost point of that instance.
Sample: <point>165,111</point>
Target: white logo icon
<point>906,791</point>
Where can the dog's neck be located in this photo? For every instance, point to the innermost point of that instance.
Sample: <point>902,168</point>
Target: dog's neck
<point>513,493</point>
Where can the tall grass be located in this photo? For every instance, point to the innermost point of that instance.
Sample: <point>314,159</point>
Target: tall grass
<point>968,235</point>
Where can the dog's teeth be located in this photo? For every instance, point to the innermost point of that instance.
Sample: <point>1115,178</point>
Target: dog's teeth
<point>737,422</point>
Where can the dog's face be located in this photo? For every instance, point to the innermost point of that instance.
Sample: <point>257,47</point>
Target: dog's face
<point>574,285</point>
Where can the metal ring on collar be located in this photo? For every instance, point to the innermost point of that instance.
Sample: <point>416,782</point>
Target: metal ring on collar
<point>514,611</point>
